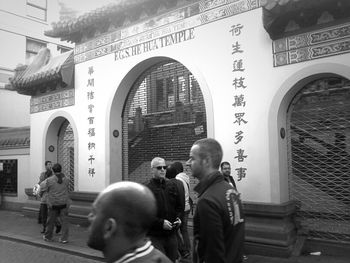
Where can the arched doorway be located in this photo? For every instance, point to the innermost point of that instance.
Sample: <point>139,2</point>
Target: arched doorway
<point>65,153</point>
<point>319,157</point>
<point>60,147</point>
<point>163,115</point>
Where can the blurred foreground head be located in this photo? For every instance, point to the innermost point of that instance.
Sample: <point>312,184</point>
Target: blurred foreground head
<point>120,218</point>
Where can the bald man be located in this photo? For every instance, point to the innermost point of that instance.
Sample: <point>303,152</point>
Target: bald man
<point>119,221</point>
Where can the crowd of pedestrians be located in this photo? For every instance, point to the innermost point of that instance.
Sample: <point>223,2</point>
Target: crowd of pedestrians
<point>132,222</point>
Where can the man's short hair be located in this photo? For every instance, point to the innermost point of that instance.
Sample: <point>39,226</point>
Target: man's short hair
<point>224,163</point>
<point>170,172</point>
<point>174,169</point>
<point>178,167</point>
<point>211,148</point>
<point>47,162</point>
<point>156,160</point>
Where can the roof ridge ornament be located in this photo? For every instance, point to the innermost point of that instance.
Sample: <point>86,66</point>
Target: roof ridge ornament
<point>44,71</point>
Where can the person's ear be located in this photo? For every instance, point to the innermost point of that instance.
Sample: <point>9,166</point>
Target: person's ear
<point>110,227</point>
<point>206,162</point>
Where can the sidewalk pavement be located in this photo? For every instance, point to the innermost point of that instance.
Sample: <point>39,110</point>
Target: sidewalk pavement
<point>17,227</point>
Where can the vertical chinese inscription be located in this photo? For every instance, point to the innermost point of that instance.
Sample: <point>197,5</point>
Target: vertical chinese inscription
<point>90,96</point>
<point>239,102</point>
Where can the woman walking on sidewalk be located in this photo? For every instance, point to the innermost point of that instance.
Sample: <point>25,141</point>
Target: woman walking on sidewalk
<point>42,218</point>
<point>58,202</point>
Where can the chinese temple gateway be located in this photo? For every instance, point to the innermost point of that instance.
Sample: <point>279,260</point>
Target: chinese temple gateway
<point>269,79</point>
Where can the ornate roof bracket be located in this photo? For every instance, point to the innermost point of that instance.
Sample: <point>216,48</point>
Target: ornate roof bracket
<point>283,18</point>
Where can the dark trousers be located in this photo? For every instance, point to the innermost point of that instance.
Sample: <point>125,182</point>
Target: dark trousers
<point>53,215</point>
<point>43,214</point>
<point>183,239</point>
<point>166,244</point>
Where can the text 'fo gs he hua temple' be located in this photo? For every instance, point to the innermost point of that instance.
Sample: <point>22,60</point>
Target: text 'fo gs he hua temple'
<point>269,79</point>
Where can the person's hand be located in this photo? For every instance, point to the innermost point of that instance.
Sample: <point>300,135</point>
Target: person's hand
<point>177,223</point>
<point>167,225</point>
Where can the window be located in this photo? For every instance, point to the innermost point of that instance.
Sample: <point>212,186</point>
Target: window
<point>32,48</point>
<point>160,95</point>
<point>193,84</point>
<point>37,9</point>
<point>170,92</point>
<point>62,49</point>
<point>8,177</point>
<point>182,91</point>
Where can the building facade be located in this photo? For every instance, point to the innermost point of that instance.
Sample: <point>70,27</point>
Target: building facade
<point>22,26</point>
<point>268,79</point>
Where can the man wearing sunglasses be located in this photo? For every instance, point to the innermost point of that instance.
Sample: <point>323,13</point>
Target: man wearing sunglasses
<point>169,208</point>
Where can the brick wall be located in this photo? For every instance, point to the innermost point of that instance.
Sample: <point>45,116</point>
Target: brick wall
<point>173,143</point>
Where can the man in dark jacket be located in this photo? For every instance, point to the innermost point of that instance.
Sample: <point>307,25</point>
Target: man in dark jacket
<point>218,220</point>
<point>169,205</point>
<point>226,172</point>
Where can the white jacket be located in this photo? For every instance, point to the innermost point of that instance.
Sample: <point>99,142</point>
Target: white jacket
<point>183,177</point>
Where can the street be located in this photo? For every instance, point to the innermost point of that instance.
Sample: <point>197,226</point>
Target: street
<point>17,252</point>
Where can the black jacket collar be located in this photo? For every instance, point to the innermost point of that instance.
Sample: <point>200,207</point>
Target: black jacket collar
<point>210,179</point>
<point>159,181</point>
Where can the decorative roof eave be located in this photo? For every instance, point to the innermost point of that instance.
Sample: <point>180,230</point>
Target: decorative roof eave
<point>44,71</point>
<point>285,17</point>
<point>14,138</point>
<point>109,17</point>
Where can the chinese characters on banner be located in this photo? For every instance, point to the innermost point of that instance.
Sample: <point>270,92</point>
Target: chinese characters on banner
<point>90,94</point>
<point>239,103</point>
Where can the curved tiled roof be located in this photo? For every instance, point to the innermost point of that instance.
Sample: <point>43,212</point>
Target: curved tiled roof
<point>101,19</point>
<point>287,17</point>
<point>14,138</point>
<point>270,4</point>
<point>43,69</point>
